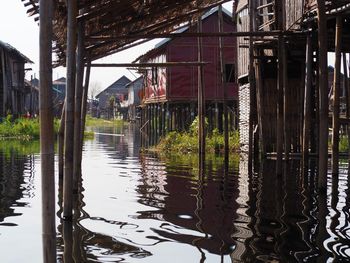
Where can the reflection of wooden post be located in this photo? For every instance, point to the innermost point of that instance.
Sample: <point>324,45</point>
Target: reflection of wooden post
<point>201,100</point>
<point>69,127</point>
<point>78,104</point>
<point>307,98</point>
<point>336,90</point>
<point>47,133</point>
<point>323,99</point>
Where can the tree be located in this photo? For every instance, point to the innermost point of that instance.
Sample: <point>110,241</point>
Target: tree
<point>94,89</point>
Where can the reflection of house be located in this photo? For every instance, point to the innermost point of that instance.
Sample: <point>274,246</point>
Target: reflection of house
<point>12,88</point>
<point>116,90</point>
<point>134,97</point>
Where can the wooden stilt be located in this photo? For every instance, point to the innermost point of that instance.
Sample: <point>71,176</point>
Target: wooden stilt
<point>201,97</point>
<point>224,86</point>
<point>69,127</point>
<point>84,106</point>
<point>78,105</point>
<point>47,133</point>
<point>336,99</point>
<point>61,142</point>
<point>280,87</point>
<point>347,97</point>
<point>323,99</point>
<point>307,99</point>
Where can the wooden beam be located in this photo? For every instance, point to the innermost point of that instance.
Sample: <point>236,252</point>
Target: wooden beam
<point>47,133</point>
<point>148,65</point>
<point>323,98</point>
<point>194,34</point>
<point>336,99</point>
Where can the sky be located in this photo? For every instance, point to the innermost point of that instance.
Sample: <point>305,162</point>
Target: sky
<point>22,32</point>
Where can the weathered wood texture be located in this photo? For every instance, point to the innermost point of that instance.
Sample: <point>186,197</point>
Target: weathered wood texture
<point>47,134</point>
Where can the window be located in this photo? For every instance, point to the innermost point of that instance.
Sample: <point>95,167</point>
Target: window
<point>154,76</point>
<point>229,73</point>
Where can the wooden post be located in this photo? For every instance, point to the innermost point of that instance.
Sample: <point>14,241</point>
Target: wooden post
<point>201,97</point>
<point>323,99</point>
<point>336,90</point>
<point>69,127</point>
<point>78,105</point>
<point>307,99</point>
<point>223,85</point>
<point>61,142</point>
<point>347,97</point>
<point>84,106</point>
<point>47,133</point>
<point>280,87</point>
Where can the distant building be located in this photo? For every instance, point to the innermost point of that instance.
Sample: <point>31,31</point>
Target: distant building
<point>135,94</point>
<point>12,86</point>
<point>31,105</point>
<point>116,92</point>
<point>58,94</point>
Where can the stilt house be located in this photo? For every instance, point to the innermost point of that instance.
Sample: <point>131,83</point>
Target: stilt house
<point>278,71</point>
<point>173,91</point>
<point>12,87</point>
<point>134,98</point>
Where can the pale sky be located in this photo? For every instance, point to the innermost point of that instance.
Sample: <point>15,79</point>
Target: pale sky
<point>22,32</point>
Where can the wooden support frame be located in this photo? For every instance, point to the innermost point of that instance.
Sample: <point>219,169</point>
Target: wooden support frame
<point>201,96</point>
<point>47,133</point>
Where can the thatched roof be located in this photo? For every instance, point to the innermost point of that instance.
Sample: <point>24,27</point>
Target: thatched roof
<point>121,19</point>
<point>10,49</point>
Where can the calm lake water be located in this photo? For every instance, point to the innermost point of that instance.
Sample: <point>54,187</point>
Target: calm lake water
<point>135,207</point>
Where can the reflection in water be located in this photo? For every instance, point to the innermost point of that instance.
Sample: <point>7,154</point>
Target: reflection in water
<point>134,207</point>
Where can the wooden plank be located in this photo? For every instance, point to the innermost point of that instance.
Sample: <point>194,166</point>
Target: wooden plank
<point>201,96</point>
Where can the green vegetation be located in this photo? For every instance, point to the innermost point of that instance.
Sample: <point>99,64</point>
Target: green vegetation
<point>343,144</point>
<point>23,129</point>
<point>20,147</point>
<point>93,122</point>
<point>185,142</point>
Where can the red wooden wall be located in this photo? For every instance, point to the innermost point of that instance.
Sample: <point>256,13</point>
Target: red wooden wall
<point>181,82</point>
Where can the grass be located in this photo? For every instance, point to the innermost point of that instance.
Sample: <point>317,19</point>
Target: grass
<point>22,128</point>
<point>187,142</point>
<point>93,122</point>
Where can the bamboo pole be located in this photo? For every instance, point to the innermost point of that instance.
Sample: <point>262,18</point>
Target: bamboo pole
<point>323,99</point>
<point>336,99</point>
<point>223,75</point>
<point>307,99</point>
<point>78,106</point>
<point>47,133</point>
<point>69,127</point>
<point>201,97</point>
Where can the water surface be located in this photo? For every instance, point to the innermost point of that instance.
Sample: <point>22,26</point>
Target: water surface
<point>136,207</point>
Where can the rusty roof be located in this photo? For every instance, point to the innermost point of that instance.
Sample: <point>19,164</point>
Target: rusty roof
<point>120,19</point>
